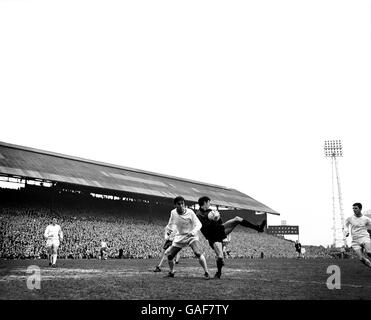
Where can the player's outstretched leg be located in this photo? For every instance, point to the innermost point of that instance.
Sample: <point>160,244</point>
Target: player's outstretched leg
<point>203,264</point>
<point>171,253</point>
<point>367,248</point>
<point>257,227</point>
<point>201,258</point>
<point>231,224</point>
<point>362,258</point>
<point>158,267</point>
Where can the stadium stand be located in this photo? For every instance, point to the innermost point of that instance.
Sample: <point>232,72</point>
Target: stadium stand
<point>95,201</point>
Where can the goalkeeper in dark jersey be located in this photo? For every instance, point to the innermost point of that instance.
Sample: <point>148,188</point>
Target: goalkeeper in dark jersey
<point>216,231</point>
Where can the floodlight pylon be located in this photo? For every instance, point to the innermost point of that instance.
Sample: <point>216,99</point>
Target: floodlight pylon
<point>334,149</point>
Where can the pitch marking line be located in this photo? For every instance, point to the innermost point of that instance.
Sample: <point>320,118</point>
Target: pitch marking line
<point>311,282</point>
<point>181,272</point>
<point>77,274</point>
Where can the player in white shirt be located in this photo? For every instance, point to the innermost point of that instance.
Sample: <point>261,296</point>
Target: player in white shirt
<point>185,223</point>
<point>103,249</point>
<point>368,215</point>
<point>358,225</point>
<point>53,235</point>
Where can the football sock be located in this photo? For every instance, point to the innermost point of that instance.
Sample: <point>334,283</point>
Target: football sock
<point>162,260</point>
<point>202,261</point>
<point>54,256</point>
<point>171,265</point>
<point>219,264</point>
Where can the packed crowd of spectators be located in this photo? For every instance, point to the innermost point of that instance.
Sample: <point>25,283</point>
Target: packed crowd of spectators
<point>22,236</point>
<point>21,232</point>
<point>127,233</point>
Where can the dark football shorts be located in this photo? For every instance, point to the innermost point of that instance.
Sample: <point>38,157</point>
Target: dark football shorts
<point>217,235</point>
<point>167,244</point>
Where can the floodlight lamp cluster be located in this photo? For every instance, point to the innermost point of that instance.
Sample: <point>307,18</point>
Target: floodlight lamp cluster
<point>333,148</point>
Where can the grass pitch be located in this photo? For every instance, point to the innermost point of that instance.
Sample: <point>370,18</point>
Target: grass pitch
<point>243,279</point>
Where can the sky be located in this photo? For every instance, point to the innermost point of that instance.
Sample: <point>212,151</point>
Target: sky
<point>241,94</point>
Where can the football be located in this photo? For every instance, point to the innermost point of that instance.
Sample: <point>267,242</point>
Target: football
<point>213,215</point>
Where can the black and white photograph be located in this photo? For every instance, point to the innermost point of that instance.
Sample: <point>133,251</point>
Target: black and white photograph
<point>191,152</point>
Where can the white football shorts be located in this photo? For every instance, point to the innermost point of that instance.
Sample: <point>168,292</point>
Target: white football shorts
<point>52,242</point>
<point>185,241</point>
<point>359,243</point>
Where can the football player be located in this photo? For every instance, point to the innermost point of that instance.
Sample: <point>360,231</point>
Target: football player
<point>216,231</point>
<point>186,224</point>
<point>358,224</point>
<point>368,215</point>
<point>103,249</point>
<point>298,248</point>
<point>53,235</point>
